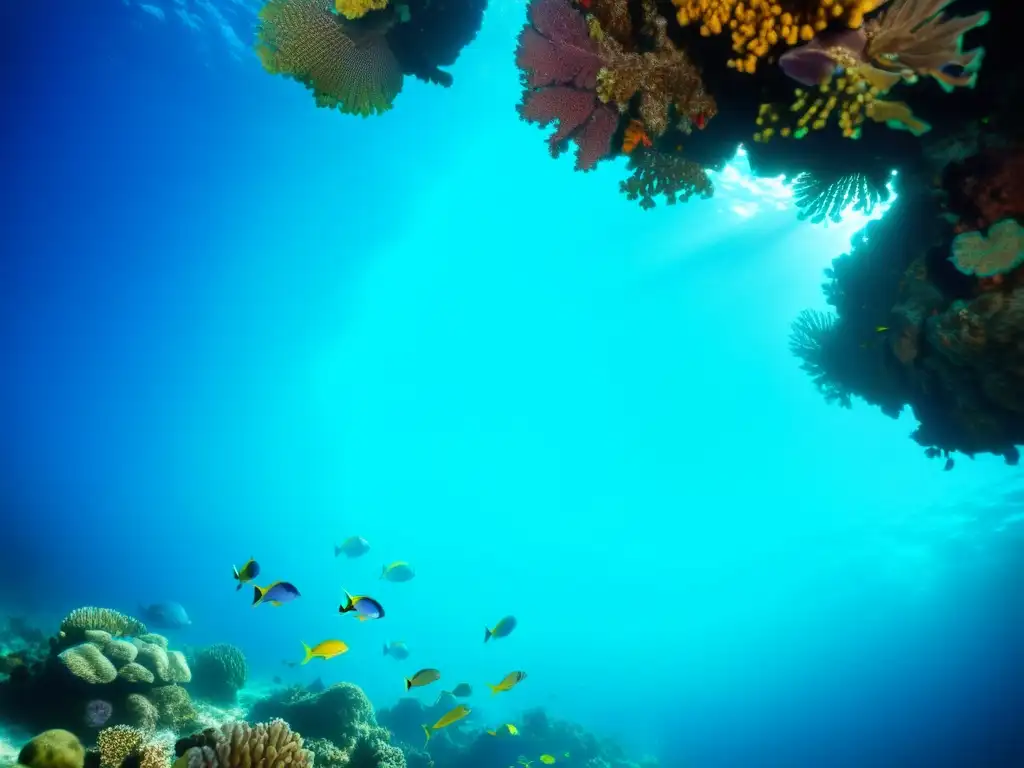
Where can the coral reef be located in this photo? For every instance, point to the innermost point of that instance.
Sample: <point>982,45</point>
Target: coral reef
<point>93,662</point>
<point>218,673</point>
<point>239,745</point>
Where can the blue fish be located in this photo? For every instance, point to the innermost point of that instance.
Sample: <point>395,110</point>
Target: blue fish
<point>276,594</point>
<point>167,615</point>
<point>365,607</point>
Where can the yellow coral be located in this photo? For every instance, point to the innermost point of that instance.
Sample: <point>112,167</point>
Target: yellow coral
<point>356,9</point>
<point>53,749</point>
<point>756,26</point>
<point>117,743</point>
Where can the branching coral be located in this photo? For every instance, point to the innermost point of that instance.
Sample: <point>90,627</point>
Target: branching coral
<point>348,68</point>
<point>915,37</point>
<point>665,78</point>
<point>757,26</point>
<point>1001,252</point>
<point>79,621</point>
<point>239,745</point>
<point>820,198</point>
<point>117,743</point>
<point>560,63</point>
<point>658,173</point>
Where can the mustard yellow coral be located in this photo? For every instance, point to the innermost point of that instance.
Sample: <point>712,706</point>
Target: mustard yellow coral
<point>356,9</point>
<point>756,26</point>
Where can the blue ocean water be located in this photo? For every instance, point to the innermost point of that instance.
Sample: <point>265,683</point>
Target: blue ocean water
<point>235,325</point>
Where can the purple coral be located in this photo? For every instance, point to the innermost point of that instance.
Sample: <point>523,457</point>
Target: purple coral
<point>97,712</point>
<point>560,63</point>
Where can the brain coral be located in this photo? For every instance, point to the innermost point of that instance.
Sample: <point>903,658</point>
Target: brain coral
<point>53,749</point>
<point>86,662</point>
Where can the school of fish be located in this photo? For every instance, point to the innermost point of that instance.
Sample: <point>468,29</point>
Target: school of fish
<point>367,608</point>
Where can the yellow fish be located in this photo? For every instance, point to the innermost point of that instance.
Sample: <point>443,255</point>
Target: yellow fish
<point>547,759</point>
<point>246,573</point>
<point>328,649</point>
<point>446,719</point>
<point>505,730</point>
<point>510,681</point>
<point>421,678</point>
<point>398,571</point>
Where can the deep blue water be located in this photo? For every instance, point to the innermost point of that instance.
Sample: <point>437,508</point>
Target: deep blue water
<point>236,325</point>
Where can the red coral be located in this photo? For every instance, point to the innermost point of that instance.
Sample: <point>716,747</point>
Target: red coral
<point>560,63</point>
<point>986,188</point>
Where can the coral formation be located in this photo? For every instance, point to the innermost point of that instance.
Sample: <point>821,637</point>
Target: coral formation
<point>348,68</point>
<point>53,749</point>
<point>104,620</point>
<point>238,745</point>
<point>219,672</point>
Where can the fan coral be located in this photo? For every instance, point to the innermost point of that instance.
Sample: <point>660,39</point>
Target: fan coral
<point>76,623</point>
<point>1001,252</point>
<point>757,26</point>
<point>560,63</point>
<point>915,37</point>
<point>348,68</point>
<point>657,173</point>
<point>665,78</point>
<point>53,749</point>
<point>356,9</point>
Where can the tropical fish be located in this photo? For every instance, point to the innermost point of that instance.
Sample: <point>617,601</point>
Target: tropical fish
<point>364,607</point>
<point>634,136</point>
<point>950,463</point>
<point>165,615</point>
<point>547,759</point>
<point>396,649</point>
<point>504,730</point>
<point>276,594</point>
<point>421,678</point>
<point>328,649</point>
<point>510,681</point>
<point>248,572</point>
<point>502,629</point>
<point>446,719</point>
<point>462,690</point>
<point>398,571</point>
<point>353,546</point>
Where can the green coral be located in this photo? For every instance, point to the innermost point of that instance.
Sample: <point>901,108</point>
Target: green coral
<point>79,621</point>
<point>53,749</point>
<point>998,254</point>
<point>220,671</point>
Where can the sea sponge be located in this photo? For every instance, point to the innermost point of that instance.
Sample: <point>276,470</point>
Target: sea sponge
<point>220,671</point>
<point>135,673</point>
<point>120,652</point>
<point>53,749</point>
<point>174,707</point>
<point>1001,252</point>
<point>79,620</point>
<point>117,743</point>
<point>86,662</point>
<point>142,713</point>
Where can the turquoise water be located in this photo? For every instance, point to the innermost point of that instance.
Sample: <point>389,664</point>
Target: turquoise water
<point>241,326</point>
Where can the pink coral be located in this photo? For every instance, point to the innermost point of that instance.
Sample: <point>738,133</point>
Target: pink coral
<point>560,63</point>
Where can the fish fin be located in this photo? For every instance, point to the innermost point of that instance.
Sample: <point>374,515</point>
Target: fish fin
<point>239,587</point>
<point>309,653</point>
<point>487,634</point>
<point>257,595</point>
<point>383,572</point>
<point>276,603</point>
<point>426,730</point>
<point>494,689</point>
<point>362,617</point>
<point>234,570</point>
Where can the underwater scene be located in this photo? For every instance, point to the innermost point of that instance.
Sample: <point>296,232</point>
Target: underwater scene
<point>512,383</point>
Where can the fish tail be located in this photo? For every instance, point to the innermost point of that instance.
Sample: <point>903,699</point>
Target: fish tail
<point>337,550</point>
<point>385,649</point>
<point>426,730</point>
<point>494,689</point>
<point>383,572</point>
<point>257,595</point>
<point>487,634</point>
<point>408,683</point>
<point>309,653</point>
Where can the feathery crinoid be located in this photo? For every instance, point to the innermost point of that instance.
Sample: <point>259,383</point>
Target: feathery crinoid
<point>917,36</point>
<point>347,67</point>
<point>812,339</point>
<point>822,197</point>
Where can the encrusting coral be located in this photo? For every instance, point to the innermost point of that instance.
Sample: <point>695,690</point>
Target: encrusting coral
<point>350,68</point>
